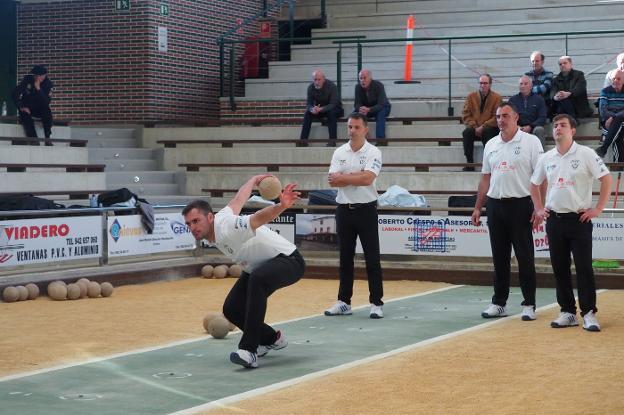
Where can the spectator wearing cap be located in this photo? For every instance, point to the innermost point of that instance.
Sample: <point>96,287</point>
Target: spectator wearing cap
<point>32,97</point>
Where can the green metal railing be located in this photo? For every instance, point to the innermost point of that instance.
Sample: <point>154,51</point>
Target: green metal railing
<point>232,58</point>
<point>449,40</point>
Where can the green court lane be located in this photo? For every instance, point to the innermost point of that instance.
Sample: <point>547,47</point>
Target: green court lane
<point>182,376</point>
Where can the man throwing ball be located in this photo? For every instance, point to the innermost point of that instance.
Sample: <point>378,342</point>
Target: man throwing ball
<point>269,262</point>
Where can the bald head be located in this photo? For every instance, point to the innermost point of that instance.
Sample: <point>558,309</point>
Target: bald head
<point>318,77</point>
<point>524,85</point>
<point>365,78</point>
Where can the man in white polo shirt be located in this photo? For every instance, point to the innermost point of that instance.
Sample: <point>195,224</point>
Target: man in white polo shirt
<point>269,262</point>
<point>570,170</point>
<point>353,170</point>
<point>508,162</point>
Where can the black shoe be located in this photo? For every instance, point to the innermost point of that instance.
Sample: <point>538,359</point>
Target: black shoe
<point>302,142</point>
<point>331,143</point>
<point>601,151</point>
<point>468,168</point>
<point>48,143</point>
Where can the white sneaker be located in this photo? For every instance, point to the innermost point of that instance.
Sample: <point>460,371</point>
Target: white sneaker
<point>564,320</point>
<point>528,313</point>
<point>493,311</point>
<point>590,322</point>
<point>338,309</point>
<point>376,311</point>
<point>280,343</point>
<point>244,358</point>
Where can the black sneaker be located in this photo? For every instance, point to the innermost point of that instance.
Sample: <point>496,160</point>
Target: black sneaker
<point>468,168</point>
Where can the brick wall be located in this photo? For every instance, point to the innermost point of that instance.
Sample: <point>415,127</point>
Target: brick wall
<point>263,109</point>
<point>106,65</point>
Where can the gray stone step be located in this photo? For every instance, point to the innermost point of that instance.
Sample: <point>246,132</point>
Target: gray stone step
<point>112,142</point>
<point>124,153</point>
<point>150,191</point>
<point>335,8</point>
<point>140,177</point>
<point>120,165</point>
<point>96,132</point>
<point>470,15</point>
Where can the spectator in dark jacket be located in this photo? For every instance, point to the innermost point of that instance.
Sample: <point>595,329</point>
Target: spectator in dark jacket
<point>570,91</point>
<point>371,101</point>
<point>32,98</point>
<point>531,109</point>
<point>322,102</point>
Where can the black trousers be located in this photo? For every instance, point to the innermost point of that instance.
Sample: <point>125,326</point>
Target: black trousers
<point>568,235</point>
<point>246,304</point>
<point>332,122</point>
<point>469,137</point>
<point>29,124</point>
<point>353,221</point>
<point>509,223</point>
<point>565,106</point>
<point>614,133</point>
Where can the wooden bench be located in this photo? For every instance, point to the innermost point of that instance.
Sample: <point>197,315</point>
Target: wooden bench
<point>418,167</point>
<point>71,194</point>
<point>15,119</point>
<point>220,192</point>
<point>275,167</point>
<point>229,142</point>
<point>259,121</point>
<point>69,168</point>
<point>71,142</point>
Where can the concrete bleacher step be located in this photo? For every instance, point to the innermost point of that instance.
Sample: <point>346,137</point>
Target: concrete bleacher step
<point>102,132</point>
<point>151,191</point>
<point>475,16</point>
<point>310,9</point>
<point>117,153</point>
<point>143,177</point>
<point>130,165</point>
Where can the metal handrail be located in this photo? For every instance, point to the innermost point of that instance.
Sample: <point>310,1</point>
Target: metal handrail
<point>232,57</point>
<point>449,39</point>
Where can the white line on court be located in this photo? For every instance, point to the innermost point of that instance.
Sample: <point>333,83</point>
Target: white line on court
<point>187,341</point>
<point>281,385</point>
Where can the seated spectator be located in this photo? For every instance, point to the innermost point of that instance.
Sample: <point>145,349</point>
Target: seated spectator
<point>479,117</point>
<point>570,91</point>
<point>531,109</point>
<point>619,61</point>
<point>322,102</point>
<point>611,117</point>
<point>371,101</point>
<point>541,78</point>
<point>32,98</point>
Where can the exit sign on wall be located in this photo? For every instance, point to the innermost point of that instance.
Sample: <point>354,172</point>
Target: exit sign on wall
<point>122,4</point>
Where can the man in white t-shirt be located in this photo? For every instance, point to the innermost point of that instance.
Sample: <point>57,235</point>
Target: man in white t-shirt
<point>508,162</point>
<point>353,170</point>
<point>570,170</point>
<point>268,260</point>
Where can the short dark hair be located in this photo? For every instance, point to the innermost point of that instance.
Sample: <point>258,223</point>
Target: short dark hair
<point>508,104</point>
<point>358,116</point>
<point>570,119</point>
<point>198,204</point>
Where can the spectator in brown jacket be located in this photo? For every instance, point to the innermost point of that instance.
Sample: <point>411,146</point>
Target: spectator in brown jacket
<point>479,117</point>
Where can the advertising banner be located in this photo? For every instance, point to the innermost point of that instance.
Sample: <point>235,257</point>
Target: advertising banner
<point>127,236</point>
<point>35,241</point>
<point>445,236</point>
